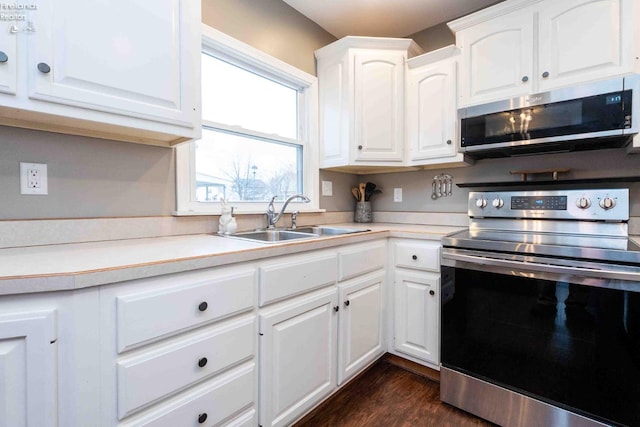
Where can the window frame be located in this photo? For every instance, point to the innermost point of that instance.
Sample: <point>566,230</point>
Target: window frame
<point>238,53</point>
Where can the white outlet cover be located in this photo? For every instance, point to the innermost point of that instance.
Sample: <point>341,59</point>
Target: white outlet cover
<point>397,194</point>
<point>38,188</point>
<point>327,188</point>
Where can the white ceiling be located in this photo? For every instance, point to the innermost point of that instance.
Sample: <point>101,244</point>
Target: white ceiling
<point>383,18</point>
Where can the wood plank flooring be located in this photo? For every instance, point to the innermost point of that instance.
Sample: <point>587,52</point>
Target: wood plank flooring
<point>389,396</point>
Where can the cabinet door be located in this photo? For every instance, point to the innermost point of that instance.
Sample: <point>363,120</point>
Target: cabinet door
<point>333,111</point>
<point>121,56</point>
<point>416,315</point>
<point>8,62</point>
<point>583,40</point>
<point>497,58</point>
<point>28,369</point>
<point>379,88</point>
<point>361,324</point>
<point>297,357</point>
<point>431,111</point>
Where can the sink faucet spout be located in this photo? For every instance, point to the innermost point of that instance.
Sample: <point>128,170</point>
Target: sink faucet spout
<point>272,217</point>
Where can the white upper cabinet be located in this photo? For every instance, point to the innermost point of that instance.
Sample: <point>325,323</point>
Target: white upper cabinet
<point>431,131</point>
<point>520,47</point>
<point>361,96</point>
<point>584,40</point>
<point>8,63</point>
<point>125,70</point>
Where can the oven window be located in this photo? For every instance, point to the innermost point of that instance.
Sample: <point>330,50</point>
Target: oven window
<point>573,346</point>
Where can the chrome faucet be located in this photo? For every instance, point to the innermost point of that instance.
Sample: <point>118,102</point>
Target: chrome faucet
<point>272,218</point>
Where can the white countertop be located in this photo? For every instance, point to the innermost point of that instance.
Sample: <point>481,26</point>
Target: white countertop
<point>80,265</point>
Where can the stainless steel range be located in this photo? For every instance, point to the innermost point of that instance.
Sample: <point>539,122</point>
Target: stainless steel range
<point>541,310</point>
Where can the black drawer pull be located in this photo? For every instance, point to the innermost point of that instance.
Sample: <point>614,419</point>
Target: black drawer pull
<point>347,302</point>
<point>336,308</point>
<point>414,257</point>
<point>432,293</point>
<point>203,306</point>
<point>202,418</point>
<point>202,362</point>
<point>44,68</point>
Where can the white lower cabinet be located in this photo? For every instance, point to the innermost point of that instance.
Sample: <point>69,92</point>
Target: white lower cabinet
<point>416,301</point>
<point>180,350</point>
<point>298,353</point>
<point>28,372</point>
<point>312,344</point>
<point>361,324</point>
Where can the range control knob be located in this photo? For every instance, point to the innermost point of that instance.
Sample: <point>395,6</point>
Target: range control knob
<point>607,203</point>
<point>481,202</point>
<point>583,202</point>
<point>498,203</point>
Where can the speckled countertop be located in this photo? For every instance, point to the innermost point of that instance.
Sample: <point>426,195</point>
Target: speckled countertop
<point>81,265</point>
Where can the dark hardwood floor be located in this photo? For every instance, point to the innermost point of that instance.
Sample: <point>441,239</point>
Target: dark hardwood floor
<point>387,395</point>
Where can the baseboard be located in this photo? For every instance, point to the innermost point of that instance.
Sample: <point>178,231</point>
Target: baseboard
<point>413,367</point>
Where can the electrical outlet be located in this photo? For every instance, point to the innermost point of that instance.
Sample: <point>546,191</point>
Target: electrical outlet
<point>33,178</point>
<point>397,194</point>
<point>327,188</point>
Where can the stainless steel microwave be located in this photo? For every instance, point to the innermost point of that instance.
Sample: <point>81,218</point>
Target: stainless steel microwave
<point>597,115</point>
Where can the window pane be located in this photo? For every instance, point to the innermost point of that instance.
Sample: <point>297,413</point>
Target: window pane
<point>236,97</point>
<point>241,168</point>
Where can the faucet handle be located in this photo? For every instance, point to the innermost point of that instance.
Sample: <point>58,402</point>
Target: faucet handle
<point>294,218</point>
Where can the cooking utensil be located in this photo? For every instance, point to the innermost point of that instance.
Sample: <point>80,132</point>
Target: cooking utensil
<point>449,184</point>
<point>361,188</point>
<point>436,180</point>
<point>433,189</point>
<point>369,189</point>
<point>356,193</point>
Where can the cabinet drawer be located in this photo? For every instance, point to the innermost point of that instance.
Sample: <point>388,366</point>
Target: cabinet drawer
<point>219,399</point>
<point>360,259</point>
<point>158,373</point>
<point>296,275</point>
<point>191,301</point>
<point>419,255</point>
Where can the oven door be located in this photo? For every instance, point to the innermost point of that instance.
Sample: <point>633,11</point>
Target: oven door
<point>571,341</point>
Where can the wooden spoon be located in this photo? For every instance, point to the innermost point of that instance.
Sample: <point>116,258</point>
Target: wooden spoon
<point>355,193</point>
<point>361,188</point>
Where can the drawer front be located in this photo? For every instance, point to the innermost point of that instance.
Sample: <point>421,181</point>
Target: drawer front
<point>216,403</point>
<point>158,373</point>
<point>419,255</point>
<point>357,260</point>
<point>296,275</point>
<point>151,315</point>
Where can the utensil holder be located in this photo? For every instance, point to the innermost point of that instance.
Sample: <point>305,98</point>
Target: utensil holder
<point>363,212</point>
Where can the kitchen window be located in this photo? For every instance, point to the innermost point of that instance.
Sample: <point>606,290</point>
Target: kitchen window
<point>258,132</point>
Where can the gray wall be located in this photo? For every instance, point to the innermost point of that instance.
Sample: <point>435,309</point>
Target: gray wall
<point>434,38</point>
<point>86,177</point>
<point>271,26</point>
<point>416,186</point>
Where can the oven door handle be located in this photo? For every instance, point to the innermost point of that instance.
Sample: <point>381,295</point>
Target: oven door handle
<point>530,266</point>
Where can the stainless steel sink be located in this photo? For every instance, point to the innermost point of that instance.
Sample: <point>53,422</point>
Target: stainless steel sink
<point>272,236</point>
<point>300,233</point>
<point>323,230</point>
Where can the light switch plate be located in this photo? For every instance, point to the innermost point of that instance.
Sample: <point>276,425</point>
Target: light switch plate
<point>327,188</point>
<point>397,194</point>
<point>33,178</point>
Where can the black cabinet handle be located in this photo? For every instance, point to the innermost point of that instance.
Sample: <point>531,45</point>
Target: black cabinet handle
<point>3,57</point>
<point>202,418</point>
<point>448,142</point>
<point>44,68</point>
<point>347,302</point>
<point>336,308</point>
<point>432,293</point>
<point>525,79</point>
<point>359,147</point>
<point>203,306</point>
<point>545,74</point>
<point>202,362</point>
<point>414,257</point>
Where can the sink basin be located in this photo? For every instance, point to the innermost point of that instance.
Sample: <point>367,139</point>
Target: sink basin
<point>281,235</point>
<point>322,230</point>
<point>272,236</point>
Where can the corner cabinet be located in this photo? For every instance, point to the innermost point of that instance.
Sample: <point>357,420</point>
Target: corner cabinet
<point>520,47</point>
<point>431,115</point>
<point>361,101</point>
<point>123,70</point>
